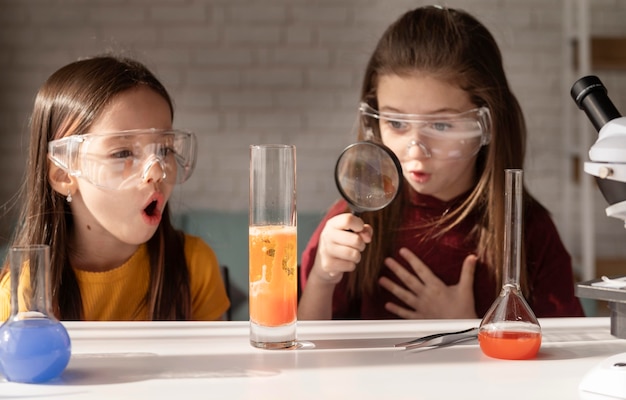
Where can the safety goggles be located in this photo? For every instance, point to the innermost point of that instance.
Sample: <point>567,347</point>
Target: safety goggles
<point>121,160</point>
<point>439,136</point>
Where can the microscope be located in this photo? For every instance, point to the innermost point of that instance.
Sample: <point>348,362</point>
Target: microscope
<point>608,165</point>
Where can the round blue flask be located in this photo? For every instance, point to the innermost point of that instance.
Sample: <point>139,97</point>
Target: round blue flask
<point>34,346</point>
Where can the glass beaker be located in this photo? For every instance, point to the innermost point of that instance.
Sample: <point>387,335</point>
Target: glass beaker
<point>509,330</point>
<point>34,346</point>
<point>273,253</point>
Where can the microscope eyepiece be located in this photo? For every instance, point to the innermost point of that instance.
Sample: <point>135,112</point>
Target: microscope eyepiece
<point>591,96</point>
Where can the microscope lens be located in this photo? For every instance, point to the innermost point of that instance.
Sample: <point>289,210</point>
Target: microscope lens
<point>591,96</point>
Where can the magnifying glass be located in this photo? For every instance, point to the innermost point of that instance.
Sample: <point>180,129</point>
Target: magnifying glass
<point>368,176</point>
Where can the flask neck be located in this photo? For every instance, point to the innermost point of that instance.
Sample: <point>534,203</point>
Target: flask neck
<point>30,285</point>
<point>512,227</point>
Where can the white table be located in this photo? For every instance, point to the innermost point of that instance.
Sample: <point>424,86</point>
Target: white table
<point>337,360</point>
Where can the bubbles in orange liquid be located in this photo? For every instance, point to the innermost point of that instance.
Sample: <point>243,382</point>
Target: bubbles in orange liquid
<point>273,275</point>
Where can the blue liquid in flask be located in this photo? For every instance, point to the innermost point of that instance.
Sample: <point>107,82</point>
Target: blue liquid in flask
<point>33,350</point>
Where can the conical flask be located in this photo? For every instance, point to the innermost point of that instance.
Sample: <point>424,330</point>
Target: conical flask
<point>509,330</point>
<point>34,346</point>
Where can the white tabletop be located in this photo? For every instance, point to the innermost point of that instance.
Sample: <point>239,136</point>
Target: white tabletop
<point>337,359</point>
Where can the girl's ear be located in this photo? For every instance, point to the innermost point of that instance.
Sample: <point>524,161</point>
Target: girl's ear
<point>61,181</point>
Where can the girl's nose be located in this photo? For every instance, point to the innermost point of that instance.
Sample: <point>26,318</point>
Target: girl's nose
<point>417,149</point>
<point>153,170</point>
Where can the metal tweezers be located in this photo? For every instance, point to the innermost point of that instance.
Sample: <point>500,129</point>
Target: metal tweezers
<point>440,339</point>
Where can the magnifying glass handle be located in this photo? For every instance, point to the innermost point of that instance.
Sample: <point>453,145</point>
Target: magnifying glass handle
<point>356,214</point>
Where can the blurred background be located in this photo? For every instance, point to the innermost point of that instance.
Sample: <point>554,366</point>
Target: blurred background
<point>247,72</point>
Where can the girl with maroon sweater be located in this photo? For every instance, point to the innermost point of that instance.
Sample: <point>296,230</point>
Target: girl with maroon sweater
<point>436,94</point>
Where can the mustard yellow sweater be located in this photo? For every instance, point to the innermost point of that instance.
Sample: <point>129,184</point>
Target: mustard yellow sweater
<point>116,295</point>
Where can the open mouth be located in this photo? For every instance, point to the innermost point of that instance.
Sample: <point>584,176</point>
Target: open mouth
<point>151,209</point>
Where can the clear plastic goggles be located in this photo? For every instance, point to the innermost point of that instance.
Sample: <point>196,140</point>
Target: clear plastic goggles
<point>122,160</point>
<point>440,136</point>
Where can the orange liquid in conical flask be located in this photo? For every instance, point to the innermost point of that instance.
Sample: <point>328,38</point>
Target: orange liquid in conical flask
<point>273,275</point>
<point>510,345</point>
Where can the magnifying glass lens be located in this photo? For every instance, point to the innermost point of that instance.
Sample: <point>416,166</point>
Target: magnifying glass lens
<point>368,176</point>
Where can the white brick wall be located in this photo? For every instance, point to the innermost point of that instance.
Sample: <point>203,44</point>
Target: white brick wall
<point>259,71</point>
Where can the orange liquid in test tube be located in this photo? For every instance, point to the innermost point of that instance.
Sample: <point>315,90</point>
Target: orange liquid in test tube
<point>273,275</point>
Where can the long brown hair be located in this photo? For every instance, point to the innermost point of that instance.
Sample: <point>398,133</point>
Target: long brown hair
<point>453,46</point>
<point>67,104</point>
